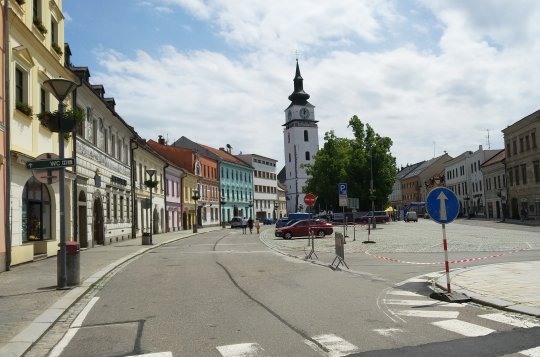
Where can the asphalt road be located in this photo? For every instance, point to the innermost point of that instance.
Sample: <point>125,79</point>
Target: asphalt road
<point>227,294</point>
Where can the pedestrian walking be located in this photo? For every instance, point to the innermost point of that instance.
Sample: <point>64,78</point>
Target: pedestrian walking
<point>258,225</point>
<point>250,225</point>
<point>244,225</point>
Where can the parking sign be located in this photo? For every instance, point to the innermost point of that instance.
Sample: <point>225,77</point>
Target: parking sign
<point>342,188</point>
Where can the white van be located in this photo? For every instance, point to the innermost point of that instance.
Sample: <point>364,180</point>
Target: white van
<point>411,216</point>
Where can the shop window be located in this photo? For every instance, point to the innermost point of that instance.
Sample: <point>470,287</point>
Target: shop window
<point>36,211</point>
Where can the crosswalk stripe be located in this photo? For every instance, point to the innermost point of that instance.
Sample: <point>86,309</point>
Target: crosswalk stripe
<point>509,320</point>
<point>420,303</point>
<point>463,328</point>
<point>241,350</point>
<point>533,352</point>
<point>429,314</point>
<point>335,345</point>
<point>404,293</point>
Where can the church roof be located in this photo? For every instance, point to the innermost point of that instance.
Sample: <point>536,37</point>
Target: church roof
<point>298,97</point>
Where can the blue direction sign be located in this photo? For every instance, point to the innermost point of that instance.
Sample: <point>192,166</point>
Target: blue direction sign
<point>342,188</point>
<point>442,205</point>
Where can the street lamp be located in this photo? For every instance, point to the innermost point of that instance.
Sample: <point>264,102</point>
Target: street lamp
<point>250,210</point>
<point>372,191</point>
<point>195,197</point>
<point>222,202</point>
<point>151,173</point>
<point>276,206</point>
<point>60,88</point>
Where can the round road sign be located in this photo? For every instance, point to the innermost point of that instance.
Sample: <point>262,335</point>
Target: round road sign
<point>309,199</point>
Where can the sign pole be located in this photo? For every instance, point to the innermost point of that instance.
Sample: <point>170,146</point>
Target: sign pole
<point>446,265</point>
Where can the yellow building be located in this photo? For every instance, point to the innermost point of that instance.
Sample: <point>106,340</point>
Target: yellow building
<point>36,46</point>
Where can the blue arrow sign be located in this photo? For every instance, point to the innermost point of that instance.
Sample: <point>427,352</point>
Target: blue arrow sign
<point>442,205</point>
<point>342,188</point>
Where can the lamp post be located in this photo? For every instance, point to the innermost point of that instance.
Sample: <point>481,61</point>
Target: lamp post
<point>222,203</point>
<point>276,206</point>
<point>151,173</point>
<point>195,197</point>
<point>250,210</point>
<point>60,88</point>
<point>372,191</point>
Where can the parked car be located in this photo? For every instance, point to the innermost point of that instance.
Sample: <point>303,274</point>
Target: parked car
<point>285,221</point>
<point>411,216</point>
<point>268,221</point>
<point>380,216</point>
<point>236,222</point>
<point>303,227</point>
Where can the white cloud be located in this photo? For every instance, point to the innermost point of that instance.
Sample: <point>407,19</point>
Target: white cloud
<point>483,75</point>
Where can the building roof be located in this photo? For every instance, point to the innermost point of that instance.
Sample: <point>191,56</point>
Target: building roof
<point>424,165</point>
<point>226,156</point>
<point>495,159</point>
<point>181,157</point>
<point>407,169</point>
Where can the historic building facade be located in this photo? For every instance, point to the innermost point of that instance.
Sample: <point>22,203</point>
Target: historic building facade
<point>36,54</point>
<point>104,186</point>
<point>495,186</point>
<point>523,167</point>
<point>4,153</point>
<point>301,141</point>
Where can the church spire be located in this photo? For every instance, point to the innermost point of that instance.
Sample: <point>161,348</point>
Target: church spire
<point>298,96</point>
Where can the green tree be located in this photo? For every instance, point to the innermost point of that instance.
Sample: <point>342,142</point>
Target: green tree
<point>352,161</point>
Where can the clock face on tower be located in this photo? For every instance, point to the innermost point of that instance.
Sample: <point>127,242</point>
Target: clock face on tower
<point>304,113</point>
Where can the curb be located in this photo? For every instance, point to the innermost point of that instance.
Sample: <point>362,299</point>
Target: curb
<point>487,300</point>
<point>25,339</point>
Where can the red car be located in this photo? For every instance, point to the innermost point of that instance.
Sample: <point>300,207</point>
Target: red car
<point>302,228</point>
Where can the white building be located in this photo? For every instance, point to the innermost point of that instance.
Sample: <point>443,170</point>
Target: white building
<point>301,140</point>
<point>265,195</point>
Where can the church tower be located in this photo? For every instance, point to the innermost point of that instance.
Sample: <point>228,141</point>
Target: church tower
<point>301,139</point>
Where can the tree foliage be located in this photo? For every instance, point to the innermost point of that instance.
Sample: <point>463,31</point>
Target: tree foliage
<point>351,161</point>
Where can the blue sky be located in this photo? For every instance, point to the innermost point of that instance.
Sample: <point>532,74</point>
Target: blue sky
<point>433,75</point>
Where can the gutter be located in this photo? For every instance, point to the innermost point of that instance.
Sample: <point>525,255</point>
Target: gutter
<point>7,118</point>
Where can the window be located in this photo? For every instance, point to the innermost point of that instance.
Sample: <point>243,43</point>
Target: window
<point>36,211</point>
<point>510,177</point>
<point>108,205</point>
<point>533,139</point>
<point>95,132</point>
<point>514,147</point>
<point>536,166</point>
<point>20,85</point>
<point>289,138</point>
<point>80,128</point>
<point>527,143</point>
<point>306,136</point>
<point>106,140</point>
<point>508,149</point>
<point>121,207</point>
<point>113,146</point>
<point>516,175</point>
<point>524,173</point>
<point>36,9</point>
<point>43,105</point>
<point>520,144</point>
<point>289,157</point>
<point>307,156</point>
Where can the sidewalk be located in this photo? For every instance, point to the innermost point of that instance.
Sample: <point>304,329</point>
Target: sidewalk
<point>30,303</point>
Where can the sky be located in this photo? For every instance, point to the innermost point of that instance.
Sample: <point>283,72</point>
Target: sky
<point>433,75</point>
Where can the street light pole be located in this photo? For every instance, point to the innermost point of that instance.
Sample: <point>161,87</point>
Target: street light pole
<point>151,173</point>
<point>276,206</point>
<point>222,202</point>
<point>60,88</point>
<point>372,192</point>
<point>195,197</point>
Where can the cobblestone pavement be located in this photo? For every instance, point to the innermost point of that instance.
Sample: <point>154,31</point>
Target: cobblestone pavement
<point>422,237</point>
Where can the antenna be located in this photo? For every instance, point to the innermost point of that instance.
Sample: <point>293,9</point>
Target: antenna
<point>489,146</point>
<point>434,149</point>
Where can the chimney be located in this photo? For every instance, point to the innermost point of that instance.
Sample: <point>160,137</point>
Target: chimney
<point>229,148</point>
<point>222,149</point>
<point>161,140</point>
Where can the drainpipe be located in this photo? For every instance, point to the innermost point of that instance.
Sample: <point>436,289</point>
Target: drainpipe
<point>7,118</point>
<point>164,180</point>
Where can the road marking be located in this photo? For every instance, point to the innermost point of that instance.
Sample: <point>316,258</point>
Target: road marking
<point>241,350</point>
<point>430,314</point>
<point>420,303</point>
<point>404,293</point>
<point>509,320</point>
<point>156,354</point>
<point>463,328</point>
<point>533,352</point>
<point>388,332</point>
<point>73,329</point>
<point>335,345</point>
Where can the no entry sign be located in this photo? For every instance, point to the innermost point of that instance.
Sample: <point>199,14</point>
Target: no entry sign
<point>310,199</point>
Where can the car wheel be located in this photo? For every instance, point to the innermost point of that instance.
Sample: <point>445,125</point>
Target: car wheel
<point>287,235</point>
<point>321,234</point>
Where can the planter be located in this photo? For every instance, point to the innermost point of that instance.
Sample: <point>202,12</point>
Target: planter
<point>55,125</point>
<point>146,239</point>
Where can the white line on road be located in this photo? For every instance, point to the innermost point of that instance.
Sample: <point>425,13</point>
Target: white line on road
<point>335,345</point>
<point>420,303</point>
<point>73,329</point>
<point>430,314</point>
<point>533,352</point>
<point>388,332</point>
<point>241,350</point>
<point>463,328</point>
<point>404,293</point>
<point>509,320</point>
<point>156,354</point>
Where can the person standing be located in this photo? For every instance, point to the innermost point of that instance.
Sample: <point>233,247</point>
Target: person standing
<point>244,225</point>
<point>250,225</point>
<point>258,225</point>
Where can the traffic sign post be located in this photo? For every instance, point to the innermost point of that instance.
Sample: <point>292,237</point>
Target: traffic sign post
<point>443,207</point>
